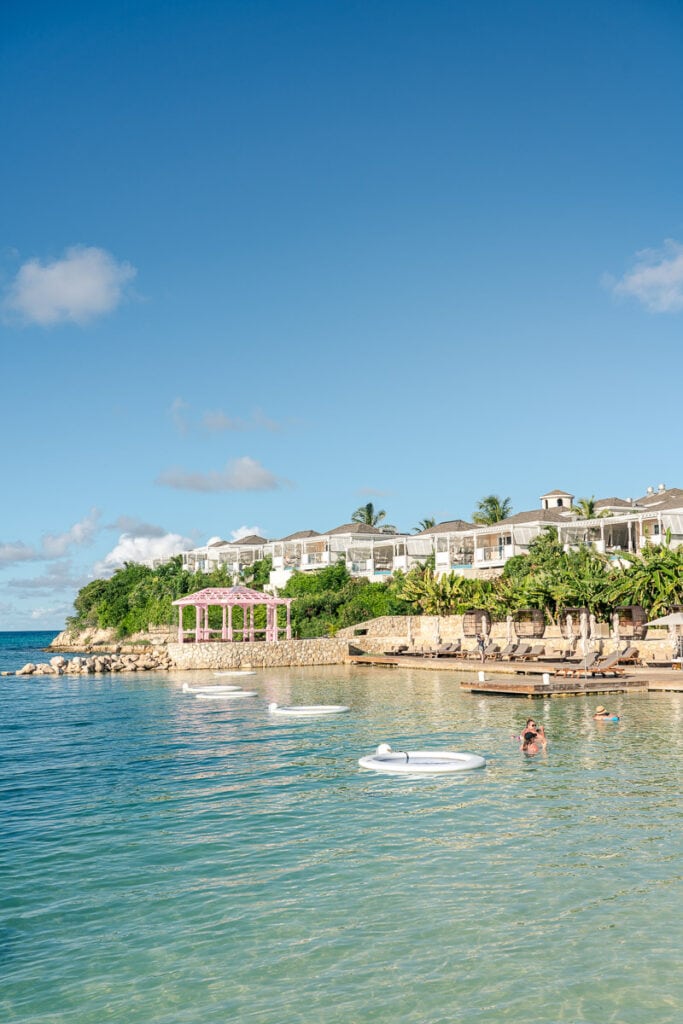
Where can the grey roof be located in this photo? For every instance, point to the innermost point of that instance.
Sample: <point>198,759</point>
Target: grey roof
<point>612,503</point>
<point>558,494</point>
<point>450,526</point>
<point>662,500</point>
<point>252,539</point>
<point>301,535</point>
<point>218,543</point>
<point>536,515</point>
<point>355,528</point>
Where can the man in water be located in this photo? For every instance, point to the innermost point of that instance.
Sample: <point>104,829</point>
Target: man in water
<point>533,738</point>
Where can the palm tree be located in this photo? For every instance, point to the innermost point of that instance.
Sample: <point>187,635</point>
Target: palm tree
<point>491,509</point>
<point>585,509</point>
<point>366,514</point>
<point>424,524</point>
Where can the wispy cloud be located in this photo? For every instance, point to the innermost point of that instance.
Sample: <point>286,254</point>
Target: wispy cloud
<point>136,527</point>
<point>58,577</point>
<point>372,492</point>
<point>178,411</point>
<point>218,422</point>
<point>244,474</point>
<point>14,551</point>
<point>52,545</point>
<point>86,282</point>
<point>81,534</point>
<point>655,280</point>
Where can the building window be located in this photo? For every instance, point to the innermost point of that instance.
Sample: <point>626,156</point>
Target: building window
<point>560,502</point>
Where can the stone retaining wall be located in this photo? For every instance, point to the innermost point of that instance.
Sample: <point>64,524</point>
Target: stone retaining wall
<point>283,653</point>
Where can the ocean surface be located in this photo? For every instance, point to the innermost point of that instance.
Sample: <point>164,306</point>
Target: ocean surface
<point>167,860</point>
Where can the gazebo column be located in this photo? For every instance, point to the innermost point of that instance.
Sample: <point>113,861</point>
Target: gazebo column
<point>289,620</point>
<point>223,633</point>
<point>251,623</point>
<point>180,624</point>
<point>197,624</point>
<point>207,635</point>
<point>230,622</point>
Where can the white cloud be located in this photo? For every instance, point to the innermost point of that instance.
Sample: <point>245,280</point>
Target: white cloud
<point>245,531</point>
<point>140,549</point>
<point>15,551</point>
<point>79,535</point>
<point>656,279</point>
<point>85,283</point>
<point>244,474</point>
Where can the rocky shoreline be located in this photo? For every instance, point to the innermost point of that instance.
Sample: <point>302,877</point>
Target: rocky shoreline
<point>141,661</point>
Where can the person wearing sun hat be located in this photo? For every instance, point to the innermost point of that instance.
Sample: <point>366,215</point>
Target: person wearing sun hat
<point>602,714</point>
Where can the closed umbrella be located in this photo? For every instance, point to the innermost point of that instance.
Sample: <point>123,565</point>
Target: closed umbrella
<point>583,629</point>
<point>570,630</point>
<point>508,626</point>
<point>615,628</point>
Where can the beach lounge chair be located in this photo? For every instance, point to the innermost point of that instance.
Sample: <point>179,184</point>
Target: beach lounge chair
<point>573,670</point>
<point>443,650</point>
<point>520,652</point>
<point>401,649</point>
<point>533,654</point>
<point>603,667</point>
<point>507,651</point>
<point>629,656</point>
<point>491,651</point>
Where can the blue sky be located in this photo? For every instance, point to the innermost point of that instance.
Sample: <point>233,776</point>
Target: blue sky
<point>262,262</point>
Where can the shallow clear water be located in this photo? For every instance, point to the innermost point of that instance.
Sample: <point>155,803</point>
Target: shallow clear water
<point>165,859</point>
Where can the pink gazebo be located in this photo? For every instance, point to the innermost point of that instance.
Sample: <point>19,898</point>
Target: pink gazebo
<point>228,598</point>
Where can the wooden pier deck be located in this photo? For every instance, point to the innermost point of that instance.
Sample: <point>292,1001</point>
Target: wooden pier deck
<point>525,679</point>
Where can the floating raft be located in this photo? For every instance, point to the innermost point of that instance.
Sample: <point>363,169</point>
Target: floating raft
<point>554,688</point>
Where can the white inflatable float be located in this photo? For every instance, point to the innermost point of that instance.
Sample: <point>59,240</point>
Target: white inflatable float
<point>411,762</point>
<point>236,672</point>
<point>226,695</point>
<point>229,688</point>
<point>307,710</point>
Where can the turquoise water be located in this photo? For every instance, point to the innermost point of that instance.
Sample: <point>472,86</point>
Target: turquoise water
<point>166,859</point>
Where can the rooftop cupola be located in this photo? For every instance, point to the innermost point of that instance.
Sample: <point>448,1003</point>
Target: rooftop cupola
<point>557,499</point>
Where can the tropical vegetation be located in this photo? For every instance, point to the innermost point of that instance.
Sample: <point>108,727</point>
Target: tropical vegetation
<point>491,509</point>
<point>368,515</point>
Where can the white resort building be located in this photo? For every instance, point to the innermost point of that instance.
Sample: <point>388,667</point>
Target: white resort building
<point>620,524</point>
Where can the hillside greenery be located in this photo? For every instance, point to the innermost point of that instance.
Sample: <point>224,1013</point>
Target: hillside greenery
<point>329,599</point>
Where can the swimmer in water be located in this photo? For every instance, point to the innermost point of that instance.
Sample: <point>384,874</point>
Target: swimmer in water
<point>602,714</point>
<point>533,739</point>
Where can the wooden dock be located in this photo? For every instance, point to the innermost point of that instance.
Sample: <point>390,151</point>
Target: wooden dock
<point>525,679</point>
<point>554,688</point>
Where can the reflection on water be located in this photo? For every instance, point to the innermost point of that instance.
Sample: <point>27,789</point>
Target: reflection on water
<point>166,859</point>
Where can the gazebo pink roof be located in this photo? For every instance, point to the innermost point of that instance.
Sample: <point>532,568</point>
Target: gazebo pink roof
<point>229,596</point>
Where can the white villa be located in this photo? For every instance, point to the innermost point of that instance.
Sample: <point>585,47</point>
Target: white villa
<point>622,524</point>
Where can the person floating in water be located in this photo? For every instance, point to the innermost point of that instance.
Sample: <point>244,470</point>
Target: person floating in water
<point>533,739</point>
<point>603,715</point>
